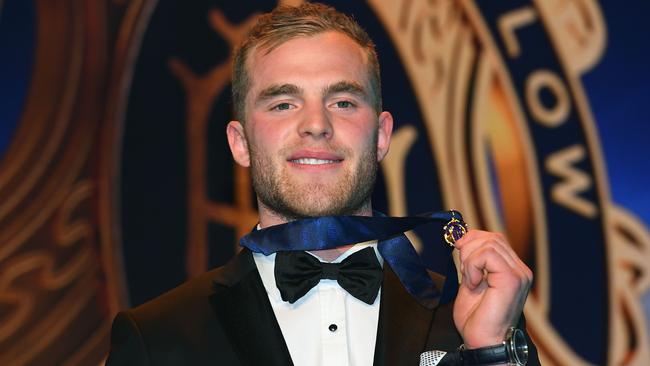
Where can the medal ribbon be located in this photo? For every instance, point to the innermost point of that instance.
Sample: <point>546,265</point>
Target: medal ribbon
<point>329,232</point>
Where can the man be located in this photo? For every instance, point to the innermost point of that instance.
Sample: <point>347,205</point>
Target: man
<point>310,126</point>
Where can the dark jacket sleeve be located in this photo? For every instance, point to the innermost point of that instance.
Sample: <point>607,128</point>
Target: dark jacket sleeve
<point>127,345</point>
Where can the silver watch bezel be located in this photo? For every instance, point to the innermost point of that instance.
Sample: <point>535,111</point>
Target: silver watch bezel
<point>516,347</point>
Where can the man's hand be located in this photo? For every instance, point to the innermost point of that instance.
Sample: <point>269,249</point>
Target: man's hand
<point>493,290</point>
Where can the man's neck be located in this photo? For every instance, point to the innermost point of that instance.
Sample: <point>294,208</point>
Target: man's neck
<point>329,255</point>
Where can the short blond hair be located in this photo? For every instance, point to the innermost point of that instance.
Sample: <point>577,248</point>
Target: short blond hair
<point>288,22</point>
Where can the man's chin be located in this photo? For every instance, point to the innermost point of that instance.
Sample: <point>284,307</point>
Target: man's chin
<point>304,212</point>
<point>291,198</point>
<point>346,208</point>
<point>309,207</point>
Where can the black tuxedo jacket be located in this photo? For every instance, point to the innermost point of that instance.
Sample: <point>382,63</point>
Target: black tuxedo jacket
<point>224,318</point>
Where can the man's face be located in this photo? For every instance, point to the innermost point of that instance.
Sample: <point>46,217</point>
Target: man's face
<point>312,138</point>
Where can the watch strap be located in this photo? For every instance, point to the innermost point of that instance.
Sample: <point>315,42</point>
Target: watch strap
<point>491,355</point>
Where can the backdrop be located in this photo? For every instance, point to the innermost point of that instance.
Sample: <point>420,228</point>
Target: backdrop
<point>116,183</point>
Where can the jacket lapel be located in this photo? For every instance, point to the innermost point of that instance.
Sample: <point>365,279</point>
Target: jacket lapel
<point>404,324</point>
<point>243,308</point>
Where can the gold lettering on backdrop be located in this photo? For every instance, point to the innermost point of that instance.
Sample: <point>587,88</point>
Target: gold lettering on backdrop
<point>509,23</point>
<point>424,27</point>
<point>440,66</point>
<point>578,29</point>
<point>41,267</point>
<point>393,168</point>
<point>201,92</point>
<point>438,52</point>
<point>548,116</point>
<point>567,192</point>
<point>631,281</point>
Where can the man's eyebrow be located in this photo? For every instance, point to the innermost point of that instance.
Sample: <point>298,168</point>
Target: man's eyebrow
<point>346,87</point>
<point>278,89</point>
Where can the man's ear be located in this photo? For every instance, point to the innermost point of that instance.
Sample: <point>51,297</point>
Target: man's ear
<point>238,143</point>
<point>385,130</point>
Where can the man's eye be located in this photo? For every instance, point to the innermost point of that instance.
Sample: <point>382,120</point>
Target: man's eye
<point>344,104</point>
<point>282,107</point>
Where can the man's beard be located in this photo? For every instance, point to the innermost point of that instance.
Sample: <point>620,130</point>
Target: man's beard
<point>291,200</point>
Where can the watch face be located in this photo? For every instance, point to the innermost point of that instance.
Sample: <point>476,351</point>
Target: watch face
<point>519,347</point>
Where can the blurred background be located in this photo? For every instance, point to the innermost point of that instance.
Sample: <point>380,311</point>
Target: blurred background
<point>116,183</point>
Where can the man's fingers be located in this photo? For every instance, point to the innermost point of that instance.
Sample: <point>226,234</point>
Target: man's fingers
<point>493,264</point>
<point>480,263</point>
<point>477,240</point>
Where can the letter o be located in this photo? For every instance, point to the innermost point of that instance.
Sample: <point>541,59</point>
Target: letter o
<point>555,115</point>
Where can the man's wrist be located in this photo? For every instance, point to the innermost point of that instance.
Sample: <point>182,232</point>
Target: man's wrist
<point>483,342</point>
<point>511,351</point>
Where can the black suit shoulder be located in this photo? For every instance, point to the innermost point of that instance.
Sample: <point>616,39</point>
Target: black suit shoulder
<point>179,308</point>
<point>178,327</point>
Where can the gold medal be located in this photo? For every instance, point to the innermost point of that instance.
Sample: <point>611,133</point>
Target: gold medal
<point>454,230</point>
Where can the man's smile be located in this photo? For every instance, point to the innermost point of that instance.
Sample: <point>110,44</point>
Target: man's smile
<point>313,161</point>
<point>305,158</point>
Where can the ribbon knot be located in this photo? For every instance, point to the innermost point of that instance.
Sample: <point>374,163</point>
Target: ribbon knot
<point>330,271</point>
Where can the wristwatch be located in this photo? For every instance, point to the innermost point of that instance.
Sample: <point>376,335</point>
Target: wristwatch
<point>512,351</point>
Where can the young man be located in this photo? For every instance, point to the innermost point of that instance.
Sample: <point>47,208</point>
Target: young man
<point>310,126</point>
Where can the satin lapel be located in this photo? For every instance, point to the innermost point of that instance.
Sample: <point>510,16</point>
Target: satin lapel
<point>243,308</point>
<point>404,324</point>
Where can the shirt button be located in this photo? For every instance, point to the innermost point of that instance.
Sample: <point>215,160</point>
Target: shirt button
<point>333,328</point>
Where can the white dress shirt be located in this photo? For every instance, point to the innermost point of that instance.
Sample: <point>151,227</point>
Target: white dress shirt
<point>327,326</point>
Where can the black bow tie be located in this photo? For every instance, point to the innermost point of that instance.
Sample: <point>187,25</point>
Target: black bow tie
<point>296,272</point>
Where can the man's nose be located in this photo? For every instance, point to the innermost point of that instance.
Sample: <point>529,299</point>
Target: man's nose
<point>316,123</point>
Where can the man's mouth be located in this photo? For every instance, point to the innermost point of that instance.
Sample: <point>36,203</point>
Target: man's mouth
<point>313,161</point>
<point>314,158</point>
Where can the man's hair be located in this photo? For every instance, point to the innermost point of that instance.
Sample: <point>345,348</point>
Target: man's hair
<point>285,23</point>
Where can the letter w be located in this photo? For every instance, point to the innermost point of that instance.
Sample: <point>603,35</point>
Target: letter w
<point>566,192</point>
